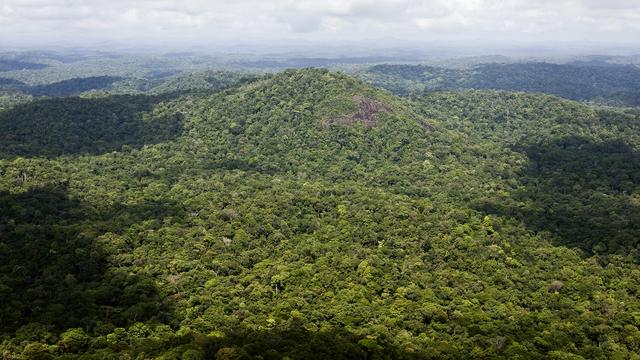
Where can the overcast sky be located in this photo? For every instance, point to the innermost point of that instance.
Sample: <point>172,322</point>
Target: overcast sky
<point>209,21</point>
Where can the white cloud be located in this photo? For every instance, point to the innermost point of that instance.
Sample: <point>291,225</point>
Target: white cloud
<point>470,20</point>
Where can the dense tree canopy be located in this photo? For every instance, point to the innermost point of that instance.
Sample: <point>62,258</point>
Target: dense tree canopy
<point>598,82</point>
<point>307,215</point>
<point>76,125</point>
<point>11,65</point>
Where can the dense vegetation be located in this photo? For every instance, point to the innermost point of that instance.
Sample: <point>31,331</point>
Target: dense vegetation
<point>75,125</point>
<point>58,74</point>
<point>583,166</point>
<point>13,92</point>
<point>11,65</point>
<point>593,81</point>
<point>73,86</point>
<point>12,98</point>
<point>307,215</point>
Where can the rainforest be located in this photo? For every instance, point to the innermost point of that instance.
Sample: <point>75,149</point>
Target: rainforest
<point>161,210</point>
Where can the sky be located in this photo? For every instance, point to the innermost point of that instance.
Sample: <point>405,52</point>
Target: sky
<point>193,22</point>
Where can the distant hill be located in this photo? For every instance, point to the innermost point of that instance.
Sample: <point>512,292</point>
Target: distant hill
<point>16,92</point>
<point>598,82</point>
<point>12,65</point>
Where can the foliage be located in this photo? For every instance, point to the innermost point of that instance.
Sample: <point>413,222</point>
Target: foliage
<point>11,65</point>
<point>73,86</point>
<point>76,125</point>
<point>597,82</point>
<point>9,99</point>
<point>260,228</point>
<point>582,165</point>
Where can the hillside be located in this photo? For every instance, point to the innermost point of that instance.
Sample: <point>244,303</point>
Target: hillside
<point>60,126</point>
<point>305,214</point>
<point>13,92</point>
<point>598,82</point>
<point>582,172</point>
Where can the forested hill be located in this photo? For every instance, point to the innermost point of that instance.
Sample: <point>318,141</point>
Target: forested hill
<point>308,215</point>
<point>100,85</point>
<point>598,82</point>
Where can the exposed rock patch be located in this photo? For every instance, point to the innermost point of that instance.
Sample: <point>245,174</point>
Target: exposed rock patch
<point>366,114</point>
<point>428,126</point>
